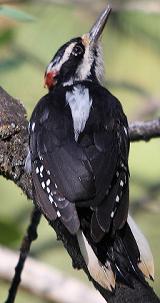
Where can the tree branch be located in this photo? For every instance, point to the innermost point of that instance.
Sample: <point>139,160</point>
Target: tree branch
<point>30,236</point>
<point>144,130</point>
<point>13,150</point>
<point>48,281</point>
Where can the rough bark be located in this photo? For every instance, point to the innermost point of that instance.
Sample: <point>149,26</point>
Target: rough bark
<point>14,141</point>
<point>13,150</point>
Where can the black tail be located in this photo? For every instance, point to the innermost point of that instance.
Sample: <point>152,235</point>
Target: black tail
<point>126,257</point>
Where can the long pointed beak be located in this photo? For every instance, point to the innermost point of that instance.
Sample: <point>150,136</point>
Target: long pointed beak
<point>99,25</point>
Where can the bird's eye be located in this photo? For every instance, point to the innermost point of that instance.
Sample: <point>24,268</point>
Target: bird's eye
<point>78,50</point>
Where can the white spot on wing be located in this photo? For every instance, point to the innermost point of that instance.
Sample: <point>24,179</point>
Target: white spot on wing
<point>61,199</point>
<point>122,164</point>
<point>121,183</point>
<point>125,129</point>
<point>50,198</point>
<point>117,198</point>
<point>112,214</point>
<point>48,190</point>
<point>48,182</point>
<point>58,213</point>
<point>117,174</point>
<point>37,170</point>
<point>43,185</point>
<point>33,126</point>
<point>80,104</point>
<point>41,168</point>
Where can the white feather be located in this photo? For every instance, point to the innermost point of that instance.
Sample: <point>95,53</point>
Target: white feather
<point>99,68</point>
<point>101,274</point>
<point>147,263</point>
<point>57,63</point>
<point>80,104</point>
<point>69,82</point>
<point>84,69</point>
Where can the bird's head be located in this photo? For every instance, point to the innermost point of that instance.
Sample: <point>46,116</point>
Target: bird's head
<point>79,59</point>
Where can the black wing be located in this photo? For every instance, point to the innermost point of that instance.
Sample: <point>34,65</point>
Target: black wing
<point>61,171</point>
<point>47,137</point>
<point>92,172</point>
<point>106,142</point>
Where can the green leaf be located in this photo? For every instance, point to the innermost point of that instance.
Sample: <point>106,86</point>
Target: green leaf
<point>15,14</point>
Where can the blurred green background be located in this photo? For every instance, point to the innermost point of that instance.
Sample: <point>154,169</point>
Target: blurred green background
<point>131,44</point>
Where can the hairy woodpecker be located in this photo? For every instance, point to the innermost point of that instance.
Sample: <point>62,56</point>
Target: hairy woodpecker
<point>79,145</point>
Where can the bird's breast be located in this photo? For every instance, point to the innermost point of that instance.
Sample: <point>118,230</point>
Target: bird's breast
<point>80,104</point>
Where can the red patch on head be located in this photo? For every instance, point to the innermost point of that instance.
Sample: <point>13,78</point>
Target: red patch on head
<point>49,79</point>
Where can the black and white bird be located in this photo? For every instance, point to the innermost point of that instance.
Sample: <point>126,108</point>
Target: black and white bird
<point>79,145</point>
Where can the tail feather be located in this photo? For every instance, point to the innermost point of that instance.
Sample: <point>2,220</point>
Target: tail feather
<point>123,277</point>
<point>102,274</point>
<point>117,258</point>
<point>146,264</point>
<point>126,257</point>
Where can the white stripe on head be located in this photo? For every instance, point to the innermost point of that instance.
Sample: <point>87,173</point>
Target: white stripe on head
<point>57,66</point>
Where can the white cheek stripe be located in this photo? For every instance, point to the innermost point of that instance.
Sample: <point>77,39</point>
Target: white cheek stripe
<point>84,69</point>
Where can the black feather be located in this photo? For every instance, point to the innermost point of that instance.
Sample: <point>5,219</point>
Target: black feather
<point>88,178</point>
